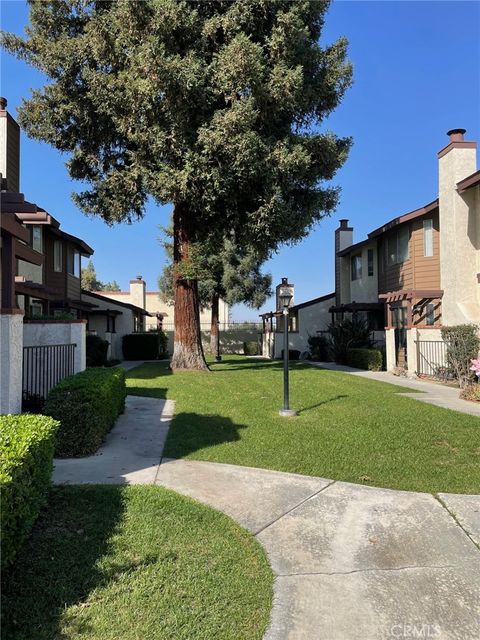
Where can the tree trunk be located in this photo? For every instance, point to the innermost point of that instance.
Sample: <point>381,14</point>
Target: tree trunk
<point>214,324</point>
<point>187,348</point>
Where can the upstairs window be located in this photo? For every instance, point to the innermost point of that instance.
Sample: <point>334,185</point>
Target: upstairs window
<point>428,238</point>
<point>37,238</point>
<point>356,265</point>
<point>430,314</point>
<point>370,262</point>
<point>57,256</point>
<point>397,246</point>
<point>73,263</point>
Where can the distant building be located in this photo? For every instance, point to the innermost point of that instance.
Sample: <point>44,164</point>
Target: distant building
<point>161,315</point>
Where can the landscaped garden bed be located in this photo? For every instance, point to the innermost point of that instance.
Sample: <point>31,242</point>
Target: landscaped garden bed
<point>111,563</point>
<point>349,428</point>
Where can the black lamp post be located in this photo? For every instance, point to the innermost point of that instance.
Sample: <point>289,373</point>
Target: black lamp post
<point>285,296</point>
<point>218,356</point>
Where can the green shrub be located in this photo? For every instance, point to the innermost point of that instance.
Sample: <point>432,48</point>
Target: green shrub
<point>361,358</point>
<point>320,348</point>
<point>96,351</point>
<point>348,334</point>
<point>144,346</point>
<point>87,406</point>
<point>463,345</point>
<point>26,453</point>
<point>293,354</point>
<point>250,348</point>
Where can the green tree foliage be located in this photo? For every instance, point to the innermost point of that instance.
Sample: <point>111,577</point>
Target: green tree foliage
<point>90,282</point>
<point>215,107</point>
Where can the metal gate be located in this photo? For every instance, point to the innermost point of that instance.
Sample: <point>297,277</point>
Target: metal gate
<point>43,368</point>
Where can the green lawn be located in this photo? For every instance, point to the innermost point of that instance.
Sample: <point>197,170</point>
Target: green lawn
<point>135,563</point>
<point>349,428</point>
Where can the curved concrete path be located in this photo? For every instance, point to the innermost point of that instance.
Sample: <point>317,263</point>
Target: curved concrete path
<point>351,562</point>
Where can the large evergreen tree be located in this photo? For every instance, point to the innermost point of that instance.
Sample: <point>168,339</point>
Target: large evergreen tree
<point>214,106</point>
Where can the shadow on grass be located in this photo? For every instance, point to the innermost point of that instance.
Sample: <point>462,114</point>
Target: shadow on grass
<point>319,404</point>
<point>58,565</point>
<point>151,370</point>
<point>192,432</point>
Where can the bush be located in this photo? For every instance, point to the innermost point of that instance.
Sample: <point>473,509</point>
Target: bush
<point>471,392</point>
<point>293,354</point>
<point>96,351</point>
<point>346,335</point>
<point>320,348</point>
<point>86,405</point>
<point>26,453</point>
<point>369,359</point>
<point>250,348</point>
<point>463,345</point>
<point>145,346</point>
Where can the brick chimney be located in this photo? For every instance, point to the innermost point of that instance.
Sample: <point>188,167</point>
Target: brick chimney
<point>343,239</point>
<point>458,254</point>
<point>137,292</point>
<point>9,149</point>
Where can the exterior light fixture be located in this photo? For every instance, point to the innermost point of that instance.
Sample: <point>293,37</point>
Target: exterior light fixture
<point>285,297</point>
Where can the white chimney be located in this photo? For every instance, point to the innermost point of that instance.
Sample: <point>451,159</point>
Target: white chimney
<point>343,239</point>
<point>9,149</point>
<point>137,292</point>
<point>458,253</point>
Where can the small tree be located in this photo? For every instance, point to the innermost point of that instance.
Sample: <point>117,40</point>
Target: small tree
<point>91,283</point>
<point>463,344</point>
<point>348,334</point>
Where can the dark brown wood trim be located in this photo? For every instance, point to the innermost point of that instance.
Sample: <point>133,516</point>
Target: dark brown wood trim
<point>456,145</point>
<point>468,182</point>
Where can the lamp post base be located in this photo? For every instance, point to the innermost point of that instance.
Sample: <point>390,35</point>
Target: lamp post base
<point>218,358</point>
<point>288,413</point>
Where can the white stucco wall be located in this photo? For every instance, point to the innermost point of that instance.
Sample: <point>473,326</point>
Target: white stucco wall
<point>11,350</point>
<point>390,349</point>
<point>37,334</point>
<point>459,236</point>
<point>124,323</point>
<point>311,320</point>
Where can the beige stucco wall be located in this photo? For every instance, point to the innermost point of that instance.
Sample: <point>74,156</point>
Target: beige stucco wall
<point>390,349</point>
<point>364,289</point>
<point>459,239</point>
<point>154,304</point>
<point>11,353</point>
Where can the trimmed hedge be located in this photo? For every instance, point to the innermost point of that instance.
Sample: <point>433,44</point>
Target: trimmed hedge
<point>96,351</point>
<point>144,346</point>
<point>87,406</point>
<point>26,454</point>
<point>250,348</point>
<point>362,358</point>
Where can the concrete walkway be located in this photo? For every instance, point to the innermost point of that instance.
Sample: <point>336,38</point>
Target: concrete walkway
<point>351,562</point>
<point>431,392</point>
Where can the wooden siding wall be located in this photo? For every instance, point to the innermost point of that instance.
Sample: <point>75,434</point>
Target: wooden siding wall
<point>418,271</point>
<point>67,285</point>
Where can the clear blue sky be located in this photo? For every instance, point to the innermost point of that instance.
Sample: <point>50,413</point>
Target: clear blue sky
<point>417,75</point>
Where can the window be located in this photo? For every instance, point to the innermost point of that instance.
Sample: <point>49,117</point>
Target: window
<point>397,246</point>
<point>370,262</point>
<point>356,264</point>
<point>292,322</point>
<point>37,240</point>
<point>430,314</point>
<point>428,238</point>
<point>73,263</point>
<point>36,308</point>
<point>57,256</point>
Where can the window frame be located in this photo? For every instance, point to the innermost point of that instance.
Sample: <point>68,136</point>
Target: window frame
<point>58,256</point>
<point>428,239</point>
<point>370,262</point>
<point>356,267</point>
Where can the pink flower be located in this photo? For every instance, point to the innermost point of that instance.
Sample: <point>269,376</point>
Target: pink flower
<point>475,366</point>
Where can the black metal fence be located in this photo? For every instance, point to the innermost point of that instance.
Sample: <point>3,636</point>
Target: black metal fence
<point>43,368</point>
<point>432,359</point>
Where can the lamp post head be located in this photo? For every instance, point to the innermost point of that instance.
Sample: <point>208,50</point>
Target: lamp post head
<point>285,293</point>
